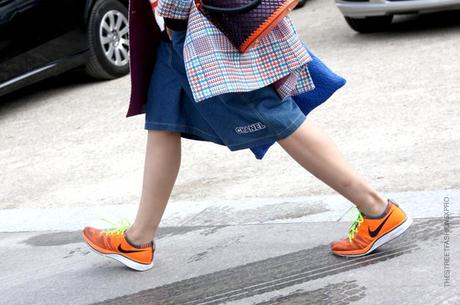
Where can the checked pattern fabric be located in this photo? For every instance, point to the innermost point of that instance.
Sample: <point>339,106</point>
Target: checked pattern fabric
<point>214,66</point>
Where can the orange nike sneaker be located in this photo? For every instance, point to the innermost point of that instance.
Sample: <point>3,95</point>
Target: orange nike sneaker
<point>114,244</point>
<point>367,233</point>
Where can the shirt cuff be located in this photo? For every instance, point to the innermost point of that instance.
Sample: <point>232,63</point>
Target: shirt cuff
<point>174,9</point>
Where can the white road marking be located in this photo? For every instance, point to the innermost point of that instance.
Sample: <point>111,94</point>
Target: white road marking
<point>418,204</point>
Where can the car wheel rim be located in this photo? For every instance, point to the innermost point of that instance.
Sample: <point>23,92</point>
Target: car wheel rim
<point>113,34</point>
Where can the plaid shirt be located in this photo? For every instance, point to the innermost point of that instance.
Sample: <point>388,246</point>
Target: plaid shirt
<point>214,66</point>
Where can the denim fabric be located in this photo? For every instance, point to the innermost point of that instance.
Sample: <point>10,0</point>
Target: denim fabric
<point>237,120</point>
<point>326,84</point>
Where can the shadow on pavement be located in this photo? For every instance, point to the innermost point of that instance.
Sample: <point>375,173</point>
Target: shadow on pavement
<point>426,22</point>
<point>413,24</point>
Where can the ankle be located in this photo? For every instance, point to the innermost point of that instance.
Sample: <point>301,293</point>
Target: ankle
<point>139,237</point>
<point>376,207</point>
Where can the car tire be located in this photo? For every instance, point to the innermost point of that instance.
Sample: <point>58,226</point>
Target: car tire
<point>370,24</point>
<point>301,4</point>
<point>108,38</point>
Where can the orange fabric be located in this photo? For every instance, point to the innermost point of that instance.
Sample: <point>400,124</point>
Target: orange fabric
<point>363,241</point>
<point>116,244</point>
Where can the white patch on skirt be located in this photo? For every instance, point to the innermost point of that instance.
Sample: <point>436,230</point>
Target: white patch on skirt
<point>249,128</point>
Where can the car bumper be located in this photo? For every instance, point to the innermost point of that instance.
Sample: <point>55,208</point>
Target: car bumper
<point>384,7</point>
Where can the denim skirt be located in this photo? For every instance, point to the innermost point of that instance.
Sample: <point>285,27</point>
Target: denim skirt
<point>239,120</point>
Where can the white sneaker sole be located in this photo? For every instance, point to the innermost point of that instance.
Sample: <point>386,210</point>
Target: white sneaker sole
<point>385,238</point>
<point>125,261</point>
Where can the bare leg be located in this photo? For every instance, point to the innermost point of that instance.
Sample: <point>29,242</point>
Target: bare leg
<point>162,163</point>
<point>316,152</point>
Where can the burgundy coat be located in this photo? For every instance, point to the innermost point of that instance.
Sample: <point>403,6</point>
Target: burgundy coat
<point>144,37</point>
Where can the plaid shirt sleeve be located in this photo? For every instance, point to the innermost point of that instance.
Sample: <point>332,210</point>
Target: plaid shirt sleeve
<point>174,9</point>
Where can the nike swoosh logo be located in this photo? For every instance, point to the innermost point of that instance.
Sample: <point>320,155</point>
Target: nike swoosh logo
<point>376,231</point>
<point>127,251</point>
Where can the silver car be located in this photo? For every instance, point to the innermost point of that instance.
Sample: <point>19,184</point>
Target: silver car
<point>374,15</point>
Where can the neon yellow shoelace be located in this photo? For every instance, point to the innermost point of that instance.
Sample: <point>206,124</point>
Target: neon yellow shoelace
<point>354,227</point>
<point>117,228</point>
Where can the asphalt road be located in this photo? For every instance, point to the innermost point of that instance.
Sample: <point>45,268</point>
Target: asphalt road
<point>264,264</point>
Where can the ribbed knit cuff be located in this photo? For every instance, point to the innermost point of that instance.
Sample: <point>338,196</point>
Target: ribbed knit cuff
<point>139,246</point>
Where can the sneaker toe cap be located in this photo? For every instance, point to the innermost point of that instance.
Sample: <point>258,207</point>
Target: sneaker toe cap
<point>339,245</point>
<point>90,231</point>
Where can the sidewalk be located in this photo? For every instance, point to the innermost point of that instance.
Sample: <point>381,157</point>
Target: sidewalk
<point>259,252</point>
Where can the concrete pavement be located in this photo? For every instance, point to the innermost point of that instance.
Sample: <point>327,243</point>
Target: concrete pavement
<point>67,143</point>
